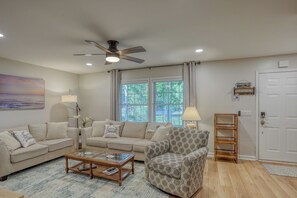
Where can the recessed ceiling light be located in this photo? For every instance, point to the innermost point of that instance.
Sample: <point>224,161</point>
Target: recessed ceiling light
<point>199,50</point>
<point>89,64</point>
<point>1,35</point>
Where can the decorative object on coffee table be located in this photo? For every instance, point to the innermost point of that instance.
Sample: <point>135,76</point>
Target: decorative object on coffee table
<point>103,161</point>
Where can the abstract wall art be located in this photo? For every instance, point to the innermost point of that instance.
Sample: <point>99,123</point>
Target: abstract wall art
<point>17,93</point>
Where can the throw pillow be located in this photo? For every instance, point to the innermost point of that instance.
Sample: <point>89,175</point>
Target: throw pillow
<point>112,122</point>
<point>8,139</point>
<point>99,128</point>
<point>149,134</point>
<point>38,131</point>
<point>161,134</point>
<point>24,137</point>
<point>56,130</point>
<point>112,131</point>
<point>134,129</point>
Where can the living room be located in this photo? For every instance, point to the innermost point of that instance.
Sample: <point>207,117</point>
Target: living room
<point>209,49</point>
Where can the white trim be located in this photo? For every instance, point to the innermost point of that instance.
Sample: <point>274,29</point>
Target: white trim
<point>241,157</point>
<point>132,81</point>
<point>279,70</point>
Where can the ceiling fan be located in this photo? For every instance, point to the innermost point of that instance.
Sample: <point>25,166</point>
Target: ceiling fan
<point>114,55</point>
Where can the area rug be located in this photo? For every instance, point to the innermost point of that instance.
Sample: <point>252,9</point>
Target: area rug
<point>289,171</point>
<point>49,180</point>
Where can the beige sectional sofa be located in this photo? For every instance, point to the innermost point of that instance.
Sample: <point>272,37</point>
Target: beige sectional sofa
<point>134,137</point>
<point>43,150</point>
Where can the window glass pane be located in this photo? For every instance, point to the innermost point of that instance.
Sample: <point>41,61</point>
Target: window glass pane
<point>134,102</point>
<point>168,102</point>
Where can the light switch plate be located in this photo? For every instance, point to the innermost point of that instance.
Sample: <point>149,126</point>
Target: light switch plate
<point>246,113</point>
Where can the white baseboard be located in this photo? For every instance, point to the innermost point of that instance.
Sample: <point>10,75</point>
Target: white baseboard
<point>241,157</point>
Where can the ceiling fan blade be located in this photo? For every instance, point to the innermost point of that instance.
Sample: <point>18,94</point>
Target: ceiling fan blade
<point>87,54</point>
<point>133,59</point>
<point>98,46</point>
<point>107,63</point>
<point>132,50</point>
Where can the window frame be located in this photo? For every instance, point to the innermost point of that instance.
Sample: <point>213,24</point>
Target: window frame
<point>135,81</point>
<point>151,92</point>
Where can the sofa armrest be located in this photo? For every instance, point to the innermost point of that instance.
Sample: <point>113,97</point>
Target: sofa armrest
<point>5,165</point>
<point>192,170</point>
<point>85,133</point>
<point>74,134</point>
<point>153,150</point>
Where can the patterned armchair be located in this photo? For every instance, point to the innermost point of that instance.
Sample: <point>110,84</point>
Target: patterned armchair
<point>176,165</point>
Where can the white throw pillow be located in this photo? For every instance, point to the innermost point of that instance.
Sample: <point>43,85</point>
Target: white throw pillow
<point>99,128</point>
<point>56,130</point>
<point>161,134</point>
<point>24,137</point>
<point>112,131</point>
<point>122,124</point>
<point>8,139</point>
<point>38,131</point>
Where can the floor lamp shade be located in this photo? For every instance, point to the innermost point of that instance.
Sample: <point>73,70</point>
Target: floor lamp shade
<point>69,98</point>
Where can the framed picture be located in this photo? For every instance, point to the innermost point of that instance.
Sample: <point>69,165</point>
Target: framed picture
<point>17,93</point>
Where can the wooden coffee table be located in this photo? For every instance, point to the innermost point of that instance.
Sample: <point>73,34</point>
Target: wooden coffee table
<point>101,161</point>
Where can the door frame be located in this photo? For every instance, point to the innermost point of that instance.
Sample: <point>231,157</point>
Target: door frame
<point>283,70</point>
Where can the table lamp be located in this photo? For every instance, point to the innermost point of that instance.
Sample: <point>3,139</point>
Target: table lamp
<point>191,116</point>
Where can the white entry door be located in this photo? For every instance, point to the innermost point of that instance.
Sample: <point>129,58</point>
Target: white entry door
<point>278,116</point>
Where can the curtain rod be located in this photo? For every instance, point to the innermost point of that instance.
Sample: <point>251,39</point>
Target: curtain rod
<point>158,66</point>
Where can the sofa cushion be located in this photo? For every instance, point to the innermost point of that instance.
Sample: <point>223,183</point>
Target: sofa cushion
<point>29,152</point>
<point>38,131</point>
<point>24,137</point>
<point>10,141</point>
<point>97,141</point>
<point>57,144</point>
<point>122,143</point>
<point>99,128</point>
<point>140,145</point>
<point>169,164</point>
<point>56,130</point>
<point>161,134</point>
<point>134,129</point>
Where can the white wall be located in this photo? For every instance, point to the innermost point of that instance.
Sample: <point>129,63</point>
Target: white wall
<point>57,83</point>
<point>95,95</point>
<point>215,81</point>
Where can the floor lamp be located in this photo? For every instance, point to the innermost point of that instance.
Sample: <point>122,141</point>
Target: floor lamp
<point>72,99</point>
<point>191,116</point>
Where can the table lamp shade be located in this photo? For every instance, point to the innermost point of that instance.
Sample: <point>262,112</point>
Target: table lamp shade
<point>191,114</point>
<point>69,98</point>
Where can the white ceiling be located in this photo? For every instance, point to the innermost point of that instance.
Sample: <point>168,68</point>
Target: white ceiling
<point>47,33</point>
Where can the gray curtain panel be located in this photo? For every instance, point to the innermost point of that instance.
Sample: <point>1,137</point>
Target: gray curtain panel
<point>115,93</point>
<point>189,78</point>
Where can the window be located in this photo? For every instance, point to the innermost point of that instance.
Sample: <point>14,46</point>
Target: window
<point>134,102</point>
<point>156,100</point>
<point>168,102</point>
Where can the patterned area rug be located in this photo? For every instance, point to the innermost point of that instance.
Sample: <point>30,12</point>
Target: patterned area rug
<point>289,171</point>
<point>49,180</point>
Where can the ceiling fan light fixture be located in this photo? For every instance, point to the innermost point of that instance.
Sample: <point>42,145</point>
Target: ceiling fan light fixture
<point>112,58</point>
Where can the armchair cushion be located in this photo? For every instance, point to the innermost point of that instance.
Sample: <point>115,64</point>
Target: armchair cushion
<point>168,164</point>
<point>184,140</point>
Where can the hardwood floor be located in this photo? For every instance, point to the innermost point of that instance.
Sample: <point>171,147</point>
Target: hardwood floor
<point>245,179</point>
